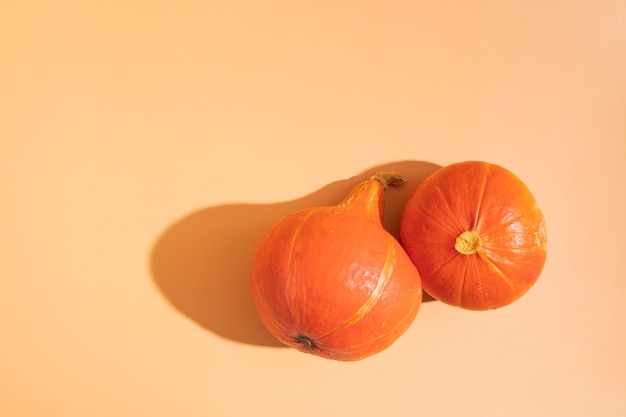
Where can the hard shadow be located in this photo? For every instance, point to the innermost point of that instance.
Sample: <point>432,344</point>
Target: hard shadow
<point>202,262</point>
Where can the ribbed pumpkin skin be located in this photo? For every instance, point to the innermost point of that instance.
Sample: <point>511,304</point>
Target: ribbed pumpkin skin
<point>332,282</point>
<point>493,202</point>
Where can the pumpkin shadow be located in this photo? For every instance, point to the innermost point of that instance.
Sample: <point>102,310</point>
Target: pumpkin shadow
<point>202,262</point>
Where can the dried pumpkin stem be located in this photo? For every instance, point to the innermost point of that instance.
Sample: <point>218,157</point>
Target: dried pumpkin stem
<point>389,178</point>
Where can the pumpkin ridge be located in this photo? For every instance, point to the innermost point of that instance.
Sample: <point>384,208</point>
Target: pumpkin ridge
<point>539,242</point>
<point>464,275</point>
<point>481,196</point>
<point>451,213</point>
<point>377,292</point>
<point>505,224</point>
<point>480,277</point>
<point>290,287</point>
<point>528,248</point>
<point>530,209</point>
<point>485,258</point>
<point>442,264</point>
<point>392,329</point>
<point>442,225</point>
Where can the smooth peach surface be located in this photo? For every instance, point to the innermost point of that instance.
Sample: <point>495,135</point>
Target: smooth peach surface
<point>145,147</point>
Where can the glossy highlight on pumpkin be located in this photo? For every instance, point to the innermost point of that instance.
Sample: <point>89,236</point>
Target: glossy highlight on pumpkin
<point>332,281</point>
<point>476,235</point>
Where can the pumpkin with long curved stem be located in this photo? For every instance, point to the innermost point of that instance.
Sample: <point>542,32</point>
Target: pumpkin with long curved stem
<point>332,281</point>
<point>476,235</point>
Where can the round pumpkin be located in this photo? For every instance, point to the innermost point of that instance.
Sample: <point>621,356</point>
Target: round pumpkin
<point>476,235</point>
<point>332,282</point>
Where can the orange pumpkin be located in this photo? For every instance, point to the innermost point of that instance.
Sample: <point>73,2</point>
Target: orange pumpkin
<point>476,235</point>
<point>332,282</point>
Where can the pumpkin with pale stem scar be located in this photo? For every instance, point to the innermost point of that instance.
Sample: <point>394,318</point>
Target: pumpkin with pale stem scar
<point>476,235</point>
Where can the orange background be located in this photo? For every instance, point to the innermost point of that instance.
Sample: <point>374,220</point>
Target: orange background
<point>146,146</point>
